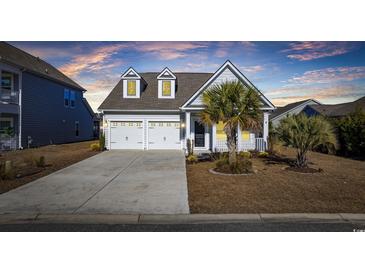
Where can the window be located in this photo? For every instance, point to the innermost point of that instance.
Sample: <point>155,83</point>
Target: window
<point>6,125</point>
<point>72,98</point>
<point>7,80</point>
<point>77,129</point>
<point>66,97</point>
<point>166,88</point>
<point>131,90</point>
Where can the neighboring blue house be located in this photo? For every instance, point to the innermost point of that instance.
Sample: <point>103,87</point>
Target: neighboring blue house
<point>39,105</point>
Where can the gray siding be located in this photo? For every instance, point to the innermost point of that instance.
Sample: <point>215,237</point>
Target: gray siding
<point>46,119</point>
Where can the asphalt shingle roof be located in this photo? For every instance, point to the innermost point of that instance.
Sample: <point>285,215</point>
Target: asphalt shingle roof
<point>281,110</point>
<point>339,109</point>
<point>186,85</point>
<point>12,55</point>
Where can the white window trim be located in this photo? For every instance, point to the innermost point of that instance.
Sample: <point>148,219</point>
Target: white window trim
<point>125,88</point>
<point>172,95</point>
<point>161,77</point>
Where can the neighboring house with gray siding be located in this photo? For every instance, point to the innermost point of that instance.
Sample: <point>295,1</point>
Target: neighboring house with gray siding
<point>39,105</point>
<point>290,109</point>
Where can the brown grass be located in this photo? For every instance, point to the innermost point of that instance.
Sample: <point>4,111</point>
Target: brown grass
<point>340,187</point>
<point>56,156</point>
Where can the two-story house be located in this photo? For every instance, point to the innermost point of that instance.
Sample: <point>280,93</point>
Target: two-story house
<point>39,105</point>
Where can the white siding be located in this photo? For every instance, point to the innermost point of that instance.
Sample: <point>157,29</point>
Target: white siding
<point>226,75</point>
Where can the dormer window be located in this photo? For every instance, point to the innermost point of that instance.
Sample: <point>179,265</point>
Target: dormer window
<point>166,88</point>
<point>131,88</point>
<point>131,84</point>
<point>166,84</point>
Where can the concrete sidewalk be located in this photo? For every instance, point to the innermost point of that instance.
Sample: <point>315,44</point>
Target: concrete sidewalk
<point>178,219</point>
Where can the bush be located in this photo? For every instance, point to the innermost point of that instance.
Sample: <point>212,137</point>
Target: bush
<point>102,141</point>
<point>243,165</point>
<point>263,154</point>
<point>7,170</point>
<point>40,162</point>
<point>95,147</point>
<point>190,146</point>
<point>351,134</point>
<point>245,154</point>
<point>192,159</point>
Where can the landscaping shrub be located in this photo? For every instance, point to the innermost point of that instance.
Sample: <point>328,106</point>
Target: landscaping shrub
<point>190,146</point>
<point>351,134</point>
<point>263,154</point>
<point>245,154</point>
<point>40,162</point>
<point>192,159</point>
<point>95,147</point>
<point>243,165</point>
<point>7,170</point>
<point>102,141</point>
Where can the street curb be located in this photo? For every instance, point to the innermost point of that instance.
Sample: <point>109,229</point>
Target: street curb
<point>178,219</point>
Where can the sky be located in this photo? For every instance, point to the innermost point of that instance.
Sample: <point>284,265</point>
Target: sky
<point>285,72</point>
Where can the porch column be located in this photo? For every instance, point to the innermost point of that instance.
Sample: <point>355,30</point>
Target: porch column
<point>187,127</point>
<point>214,137</point>
<point>266,127</point>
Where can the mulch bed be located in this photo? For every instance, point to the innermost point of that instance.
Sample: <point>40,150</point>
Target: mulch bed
<point>56,156</point>
<point>340,187</point>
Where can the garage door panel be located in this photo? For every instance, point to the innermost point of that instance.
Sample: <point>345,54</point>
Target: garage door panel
<point>126,135</point>
<point>164,135</point>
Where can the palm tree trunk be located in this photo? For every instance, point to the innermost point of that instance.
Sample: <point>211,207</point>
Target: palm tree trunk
<point>231,144</point>
<point>301,160</point>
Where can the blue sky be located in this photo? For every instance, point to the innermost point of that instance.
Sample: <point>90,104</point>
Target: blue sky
<point>331,72</point>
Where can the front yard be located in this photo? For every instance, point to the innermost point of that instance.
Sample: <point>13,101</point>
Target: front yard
<point>56,157</point>
<point>340,187</point>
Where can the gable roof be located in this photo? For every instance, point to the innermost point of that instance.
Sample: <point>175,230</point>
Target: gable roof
<point>282,110</point>
<point>14,56</point>
<point>187,85</point>
<point>339,109</point>
<point>239,75</point>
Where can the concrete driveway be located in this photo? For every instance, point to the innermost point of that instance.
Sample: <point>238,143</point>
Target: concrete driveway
<point>113,182</point>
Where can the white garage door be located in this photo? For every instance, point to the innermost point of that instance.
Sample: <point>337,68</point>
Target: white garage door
<point>126,135</point>
<point>164,135</point>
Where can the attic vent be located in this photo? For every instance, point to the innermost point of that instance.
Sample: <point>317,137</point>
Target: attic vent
<point>46,70</point>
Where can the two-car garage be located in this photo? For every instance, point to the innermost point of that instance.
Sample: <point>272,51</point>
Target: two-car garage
<point>144,134</point>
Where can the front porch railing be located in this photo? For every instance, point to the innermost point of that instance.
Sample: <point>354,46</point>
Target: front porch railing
<point>8,143</point>
<point>258,144</point>
<point>9,96</point>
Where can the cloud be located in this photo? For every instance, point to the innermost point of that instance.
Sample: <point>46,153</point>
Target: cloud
<point>305,51</point>
<point>169,50</point>
<point>252,69</point>
<point>329,75</point>
<point>96,60</point>
<point>287,95</point>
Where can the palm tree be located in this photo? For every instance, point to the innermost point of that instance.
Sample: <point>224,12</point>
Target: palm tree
<point>233,104</point>
<point>306,133</point>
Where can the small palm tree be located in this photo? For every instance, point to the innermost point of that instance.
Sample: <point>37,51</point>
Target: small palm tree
<point>306,133</point>
<point>233,104</point>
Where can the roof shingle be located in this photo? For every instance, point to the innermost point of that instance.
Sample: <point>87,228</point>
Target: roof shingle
<point>12,55</point>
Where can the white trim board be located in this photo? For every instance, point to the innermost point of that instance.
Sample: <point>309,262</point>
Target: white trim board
<point>239,74</point>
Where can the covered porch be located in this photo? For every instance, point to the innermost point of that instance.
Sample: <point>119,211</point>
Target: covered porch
<point>213,139</point>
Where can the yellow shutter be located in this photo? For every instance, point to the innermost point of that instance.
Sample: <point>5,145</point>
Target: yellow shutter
<point>131,91</point>
<point>220,134</point>
<point>245,135</point>
<point>166,88</point>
